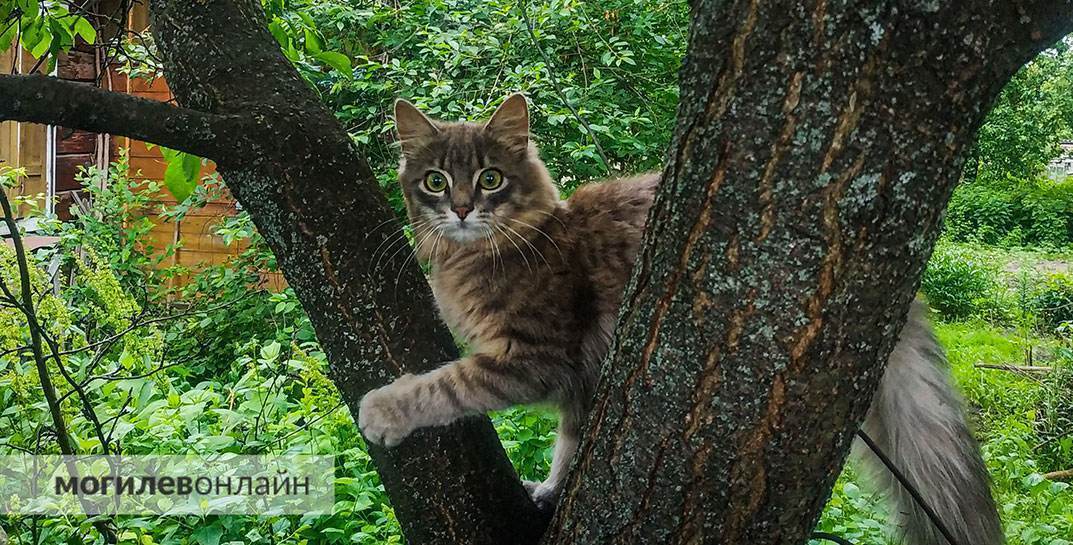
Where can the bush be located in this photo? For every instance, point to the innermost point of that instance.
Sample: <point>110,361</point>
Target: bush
<point>1052,301</point>
<point>960,283</point>
<point>1012,213</point>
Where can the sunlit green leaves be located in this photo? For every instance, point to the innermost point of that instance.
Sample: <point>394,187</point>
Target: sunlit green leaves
<point>336,60</point>
<point>301,41</point>
<point>182,173</point>
<point>1030,117</point>
<point>43,28</point>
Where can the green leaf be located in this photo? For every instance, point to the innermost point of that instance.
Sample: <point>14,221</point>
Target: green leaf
<point>42,45</point>
<point>336,60</point>
<point>181,176</point>
<point>207,535</point>
<point>29,7</point>
<point>279,33</point>
<point>312,43</point>
<point>83,28</point>
<point>271,351</point>
<point>8,37</point>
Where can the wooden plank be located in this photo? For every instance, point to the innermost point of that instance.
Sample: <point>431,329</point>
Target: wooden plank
<point>158,85</point>
<point>139,16</point>
<point>8,144</point>
<point>8,148</point>
<point>31,148</point>
<point>71,141</point>
<point>67,167</point>
<point>77,65</point>
<point>145,167</point>
<point>196,260</point>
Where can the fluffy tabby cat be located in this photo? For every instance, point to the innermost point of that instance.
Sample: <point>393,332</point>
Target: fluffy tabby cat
<point>533,284</point>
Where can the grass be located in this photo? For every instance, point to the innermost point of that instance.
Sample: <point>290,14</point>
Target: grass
<point>1035,511</point>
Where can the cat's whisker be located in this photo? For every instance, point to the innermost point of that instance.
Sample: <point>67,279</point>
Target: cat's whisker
<point>495,252</point>
<point>538,230</point>
<point>519,248</point>
<point>413,253</point>
<point>378,227</point>
<point>406,244</point>
<point>393,239</point>
<point>435,245</point>
<point>536,252</point>
<point>491,249</point>
<point>552,216</point>
<point>398,236</point>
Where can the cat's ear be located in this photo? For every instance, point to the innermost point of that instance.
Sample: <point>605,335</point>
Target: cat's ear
<point>511,119</point>
<point>411,123</point>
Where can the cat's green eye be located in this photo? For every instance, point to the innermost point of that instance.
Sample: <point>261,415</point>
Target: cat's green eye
<point>435,182</point>
<point>491,179</point>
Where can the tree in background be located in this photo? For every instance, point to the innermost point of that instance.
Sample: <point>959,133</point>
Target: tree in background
<point>1031,116</point>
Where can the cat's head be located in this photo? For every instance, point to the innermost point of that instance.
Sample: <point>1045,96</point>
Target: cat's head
<point>472,181</point>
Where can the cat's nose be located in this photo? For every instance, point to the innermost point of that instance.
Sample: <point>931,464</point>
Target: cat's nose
<point>462,212</point>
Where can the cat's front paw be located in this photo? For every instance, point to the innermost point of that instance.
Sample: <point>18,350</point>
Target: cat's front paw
<point>544,495</point>
<point>382,418</point>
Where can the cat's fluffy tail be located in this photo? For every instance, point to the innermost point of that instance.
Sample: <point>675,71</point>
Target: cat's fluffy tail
<point>918,420</point>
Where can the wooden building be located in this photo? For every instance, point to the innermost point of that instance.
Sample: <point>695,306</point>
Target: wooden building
<point>53,156</point>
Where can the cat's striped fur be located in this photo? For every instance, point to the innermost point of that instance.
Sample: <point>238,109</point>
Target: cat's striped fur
<point>533,285</point>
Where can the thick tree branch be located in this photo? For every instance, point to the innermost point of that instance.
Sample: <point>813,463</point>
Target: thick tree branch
<point>51,101</point>
<point>817,145</point>
<point>320,209</point>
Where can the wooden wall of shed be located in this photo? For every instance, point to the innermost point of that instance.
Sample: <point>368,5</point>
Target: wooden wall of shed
<point>198,245</point>
<point>22,145</point>
<point>73,149</point>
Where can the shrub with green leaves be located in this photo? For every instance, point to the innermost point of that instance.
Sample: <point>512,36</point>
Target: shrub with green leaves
<point>1012,213</point>
<point>960,283</point>
<point>1052,301</point>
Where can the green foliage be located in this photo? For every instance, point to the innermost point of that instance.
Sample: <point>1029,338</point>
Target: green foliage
<point>1017,448</point>
<point>528,436</point>
<point>44,28</point>
<point>959,284</point>
<point>116,229</point>
<point>1052,301</point>
<point>302,42</point>
<point>1033,113</point>
<point>854,513</point>
<point>616,62</point>
<point>1012,213</point>
<point>182,173</point>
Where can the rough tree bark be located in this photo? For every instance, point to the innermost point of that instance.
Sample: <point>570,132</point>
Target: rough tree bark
<point>319,207</point>
<point>816,148</point>
<point>317,204</point>
<point>817,145</point>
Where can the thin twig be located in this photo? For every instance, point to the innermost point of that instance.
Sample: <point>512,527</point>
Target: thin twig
<point>1015,368</point>
<point>137,322</point>
<point>908,486</point>
<point>555,83</point>
<point>1059,475</point>
<point>63,438</point>
<point>824,536</point>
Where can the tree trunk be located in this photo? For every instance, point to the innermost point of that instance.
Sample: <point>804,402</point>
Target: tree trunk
<point>317,204</point>
<point>817,146</point>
